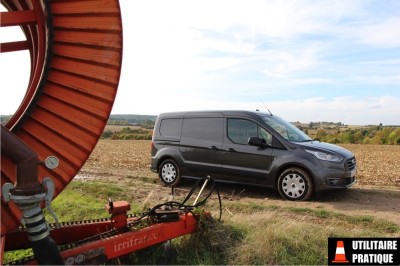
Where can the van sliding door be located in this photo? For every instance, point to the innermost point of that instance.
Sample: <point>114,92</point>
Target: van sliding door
<point>201,144</point>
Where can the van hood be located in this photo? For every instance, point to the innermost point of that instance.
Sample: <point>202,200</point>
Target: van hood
<point>327,147</point>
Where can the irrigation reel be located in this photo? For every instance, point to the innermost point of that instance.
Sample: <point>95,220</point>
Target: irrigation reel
<point>75,52</point>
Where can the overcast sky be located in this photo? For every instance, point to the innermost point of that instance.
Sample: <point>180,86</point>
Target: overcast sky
<point>306,61</point>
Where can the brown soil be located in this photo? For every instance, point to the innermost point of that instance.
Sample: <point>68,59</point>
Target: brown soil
<point>377,193</point>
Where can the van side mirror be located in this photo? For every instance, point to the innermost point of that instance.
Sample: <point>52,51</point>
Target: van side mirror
<point>256,141</point>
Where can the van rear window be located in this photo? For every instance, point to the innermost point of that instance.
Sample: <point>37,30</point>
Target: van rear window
<point>171,127</point>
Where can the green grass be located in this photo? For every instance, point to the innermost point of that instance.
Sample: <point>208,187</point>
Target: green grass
<point>250,233</point>
<point>145,179</point>
<point>256,233</point>
<point>276,235</point>
<point>80,200</point>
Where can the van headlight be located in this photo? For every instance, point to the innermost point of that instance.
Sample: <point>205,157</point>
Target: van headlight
<point>326,156</point>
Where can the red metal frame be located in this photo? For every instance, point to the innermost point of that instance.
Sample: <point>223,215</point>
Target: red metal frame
<point>33,25</point>
<point>126,243</point>
<point>2,245</point>
<point>112,247</point>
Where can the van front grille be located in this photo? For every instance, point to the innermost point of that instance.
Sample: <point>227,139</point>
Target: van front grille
<point>351,163</point>
<point>350,180</point>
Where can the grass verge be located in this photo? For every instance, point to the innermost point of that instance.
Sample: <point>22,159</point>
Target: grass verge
<point>250,233</point>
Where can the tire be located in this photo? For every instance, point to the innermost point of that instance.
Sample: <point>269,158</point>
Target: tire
<point>169,172</point>
<point>295,184</point>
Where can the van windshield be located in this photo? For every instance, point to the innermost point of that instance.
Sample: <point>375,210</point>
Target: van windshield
<point>286,129</point>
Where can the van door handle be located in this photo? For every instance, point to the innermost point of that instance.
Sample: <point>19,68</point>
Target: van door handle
<point>231,150</point>
<point>214,148</point>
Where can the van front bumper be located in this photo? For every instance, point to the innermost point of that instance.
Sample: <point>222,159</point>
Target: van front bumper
<point>333,179</point>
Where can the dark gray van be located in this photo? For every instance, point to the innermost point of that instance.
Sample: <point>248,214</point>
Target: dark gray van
<point>250,148</point>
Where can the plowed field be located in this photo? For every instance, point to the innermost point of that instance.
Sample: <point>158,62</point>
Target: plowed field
<point>376,193</point>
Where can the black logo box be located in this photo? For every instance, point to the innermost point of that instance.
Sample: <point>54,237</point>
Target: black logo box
<point>349,250</point>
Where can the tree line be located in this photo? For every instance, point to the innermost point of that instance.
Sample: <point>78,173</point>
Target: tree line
<point>369,135</point>
<point>128,133</point>
<point>131,119</point>
<point>330,132</point>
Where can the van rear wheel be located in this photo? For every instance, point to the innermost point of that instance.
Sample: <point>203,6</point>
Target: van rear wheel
<point>169,172</point>
<point>295,184</point>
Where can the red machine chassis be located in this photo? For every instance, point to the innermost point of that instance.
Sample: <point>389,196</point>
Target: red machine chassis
<point>122,240</point>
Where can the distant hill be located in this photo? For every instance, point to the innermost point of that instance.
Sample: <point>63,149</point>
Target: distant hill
<point>332,132</point>
<point>114,119</point>
<point>131,119</point>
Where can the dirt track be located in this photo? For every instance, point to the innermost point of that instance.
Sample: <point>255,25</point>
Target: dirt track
<point>127,162</point>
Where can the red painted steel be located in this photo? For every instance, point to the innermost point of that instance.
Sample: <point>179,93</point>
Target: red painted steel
<point>76,54</point>
<point>125,242</point>
<point>17,18</point>
<point>2,245</point>
<point>14,46</point>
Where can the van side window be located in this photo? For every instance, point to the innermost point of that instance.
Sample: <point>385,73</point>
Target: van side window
<point>240,130</point>
<point>203,129</point>
<point>171,127</point>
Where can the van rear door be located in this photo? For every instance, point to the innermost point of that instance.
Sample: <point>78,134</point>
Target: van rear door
<point>200,147</point>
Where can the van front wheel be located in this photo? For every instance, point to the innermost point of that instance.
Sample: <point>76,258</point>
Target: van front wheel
<point>295,184</point>
<point>169,172</point>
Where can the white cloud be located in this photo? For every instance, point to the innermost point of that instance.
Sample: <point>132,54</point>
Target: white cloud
<point>388,62</point>
<point>11,34</point>
<point>304,81</point>
<point>184,55</point>
<point>348,110</point>
<point>385,33</point>
<point>283,63</point>
<point>379,80</point>
<point>14,79</point>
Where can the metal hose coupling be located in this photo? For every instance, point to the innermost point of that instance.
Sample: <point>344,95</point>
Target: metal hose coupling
<point>30,205</point>
<point>44,248</point>
<point>33,218</point>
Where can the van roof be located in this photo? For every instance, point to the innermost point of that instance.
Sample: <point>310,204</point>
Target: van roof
<point>211,113</point>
